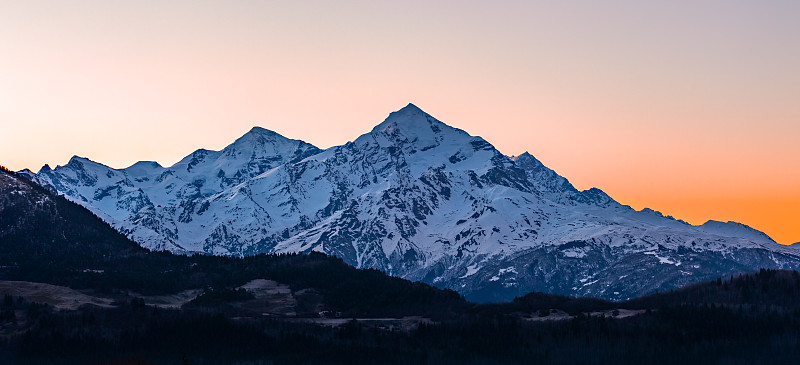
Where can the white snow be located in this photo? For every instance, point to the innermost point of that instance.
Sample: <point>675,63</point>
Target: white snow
<point>663,260</point>
<point>590,283</point>
<point>471,270</point>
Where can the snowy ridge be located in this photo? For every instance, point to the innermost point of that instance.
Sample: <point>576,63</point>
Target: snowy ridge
<point>418,199</point>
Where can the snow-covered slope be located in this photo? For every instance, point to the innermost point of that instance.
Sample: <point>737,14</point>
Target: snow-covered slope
<point>734,229</point>
<point>418,199</point>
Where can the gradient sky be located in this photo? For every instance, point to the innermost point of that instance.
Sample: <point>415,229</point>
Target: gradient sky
<point>691,108</point>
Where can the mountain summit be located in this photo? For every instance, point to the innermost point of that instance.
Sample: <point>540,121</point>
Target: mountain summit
<point>412,120</point>
<point>415,198</point>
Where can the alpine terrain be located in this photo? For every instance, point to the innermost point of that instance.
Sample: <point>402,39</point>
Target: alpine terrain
<point>418,199</point>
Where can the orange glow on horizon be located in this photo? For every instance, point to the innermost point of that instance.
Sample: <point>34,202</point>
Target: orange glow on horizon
<point>777,217</point>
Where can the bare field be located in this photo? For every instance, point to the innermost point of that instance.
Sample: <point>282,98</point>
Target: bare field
<point>403,324</point>
<point>559,315</point>
<point>170,301</point>
<point>271,298</point>
<point>59,297</point>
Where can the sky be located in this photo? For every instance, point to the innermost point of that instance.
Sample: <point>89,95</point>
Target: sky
<point>690,108</point>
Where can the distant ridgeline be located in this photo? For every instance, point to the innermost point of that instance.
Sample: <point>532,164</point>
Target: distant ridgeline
<point>417,199</point>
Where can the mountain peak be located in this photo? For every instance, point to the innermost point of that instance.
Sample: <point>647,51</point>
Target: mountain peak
<point>412,121</point>
<point>412,126</point>
<point>525,157</point>
<point>257,138</point>
<point>145,165</point>
<point>734,229</point>
<point>261,131</point>
<point>410,108</point>
<point>408,115</point>
<point>529,162</point>
<point>78,160</point>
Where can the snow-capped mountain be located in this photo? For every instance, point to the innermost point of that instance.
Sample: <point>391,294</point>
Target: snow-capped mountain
<point>418,199</point>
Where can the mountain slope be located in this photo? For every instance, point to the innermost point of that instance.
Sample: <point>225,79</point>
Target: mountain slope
<point>38,229</point>
<point>418,199</point>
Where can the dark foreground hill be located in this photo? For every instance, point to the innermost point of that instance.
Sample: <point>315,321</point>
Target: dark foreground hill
<point>74,291</point>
